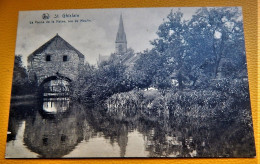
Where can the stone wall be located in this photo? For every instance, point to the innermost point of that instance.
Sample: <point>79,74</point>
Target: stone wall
<point>41,69</point>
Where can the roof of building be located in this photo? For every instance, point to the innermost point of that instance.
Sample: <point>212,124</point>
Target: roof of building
<point>121,37</point>
<point>103,57</point>
<point>56,43</point>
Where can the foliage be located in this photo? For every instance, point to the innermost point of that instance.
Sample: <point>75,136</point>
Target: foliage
<point>188,54</point>
<point>195,51</point>
<point>21,84</point>
<point>212,117</point>
<point>97,84</point>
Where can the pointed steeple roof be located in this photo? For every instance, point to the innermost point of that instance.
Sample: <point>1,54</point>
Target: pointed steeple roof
<point>121,37</point>
<point>56,43</point>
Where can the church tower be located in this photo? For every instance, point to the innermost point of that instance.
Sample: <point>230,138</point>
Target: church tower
<point>121,43</point>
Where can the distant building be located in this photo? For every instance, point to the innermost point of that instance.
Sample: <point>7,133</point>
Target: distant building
<point>121,43</point>
<point>102,58</point>
<point>56,59</point>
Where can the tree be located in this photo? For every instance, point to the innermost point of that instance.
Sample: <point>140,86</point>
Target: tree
<point>215,38</point>
<point>200,49</point>
<point>20,77</point>
<point>171,45</point>
<point>100,83</point>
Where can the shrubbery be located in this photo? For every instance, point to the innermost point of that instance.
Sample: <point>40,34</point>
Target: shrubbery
<point>217,118</point>
<point>21,84</point>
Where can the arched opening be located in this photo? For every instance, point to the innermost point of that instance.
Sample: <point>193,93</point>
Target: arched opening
<point>55,86</point>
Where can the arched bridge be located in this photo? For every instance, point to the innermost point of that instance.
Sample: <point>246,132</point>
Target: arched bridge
<point>55,86</point>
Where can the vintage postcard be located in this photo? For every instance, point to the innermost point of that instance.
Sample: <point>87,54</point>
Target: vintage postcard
<point>132,82</point>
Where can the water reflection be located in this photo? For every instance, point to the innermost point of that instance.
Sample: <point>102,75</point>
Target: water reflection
<point>53,137</point>
<point>56,128</point>
<point>55,105</point>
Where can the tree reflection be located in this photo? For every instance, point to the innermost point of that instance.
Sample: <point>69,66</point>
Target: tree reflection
<point>169,135</point>
<point>18,113</point>
<point>113,130</point>
<point>54,135</point>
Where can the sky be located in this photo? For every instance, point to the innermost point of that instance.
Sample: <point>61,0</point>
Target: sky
<point>96,34</point>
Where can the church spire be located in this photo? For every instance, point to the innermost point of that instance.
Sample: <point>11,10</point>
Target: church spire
<point>121,43</point>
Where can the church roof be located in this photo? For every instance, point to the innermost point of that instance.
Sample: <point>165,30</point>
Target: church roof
<point>121,37</point>
<point>56,43</point>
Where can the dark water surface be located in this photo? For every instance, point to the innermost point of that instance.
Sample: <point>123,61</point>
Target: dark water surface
<point>59,127</point>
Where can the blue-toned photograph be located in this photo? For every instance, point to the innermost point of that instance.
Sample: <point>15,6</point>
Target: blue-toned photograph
<point>130,83</point>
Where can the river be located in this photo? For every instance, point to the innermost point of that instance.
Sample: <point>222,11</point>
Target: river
<point>61,128</point>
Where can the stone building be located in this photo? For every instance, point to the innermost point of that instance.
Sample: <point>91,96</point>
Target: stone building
<point>56,59</point>
<point>121,43</point>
